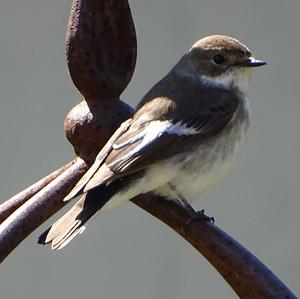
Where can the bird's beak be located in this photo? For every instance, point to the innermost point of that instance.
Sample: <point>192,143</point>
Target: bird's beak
<point>252,62</point>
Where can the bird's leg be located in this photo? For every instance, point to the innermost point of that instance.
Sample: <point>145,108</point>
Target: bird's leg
<point>180,197</point>
<point>200,215</point>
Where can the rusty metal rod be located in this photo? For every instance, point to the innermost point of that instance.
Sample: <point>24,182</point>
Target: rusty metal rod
<point>9,206</point>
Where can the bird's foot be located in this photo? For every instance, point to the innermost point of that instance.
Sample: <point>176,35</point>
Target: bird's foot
<point>200,215</point>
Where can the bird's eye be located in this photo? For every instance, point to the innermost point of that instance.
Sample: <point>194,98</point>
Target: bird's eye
<point>219,59</point>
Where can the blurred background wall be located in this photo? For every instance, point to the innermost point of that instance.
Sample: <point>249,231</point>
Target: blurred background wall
<point>127,253</point>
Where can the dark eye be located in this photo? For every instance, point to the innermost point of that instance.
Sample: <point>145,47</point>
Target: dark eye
<point>219,59</point>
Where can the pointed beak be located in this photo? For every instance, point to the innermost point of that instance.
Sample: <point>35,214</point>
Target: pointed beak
<point>253,62</point>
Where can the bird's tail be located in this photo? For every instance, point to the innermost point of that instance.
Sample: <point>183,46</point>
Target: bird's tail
<point>72,223</point>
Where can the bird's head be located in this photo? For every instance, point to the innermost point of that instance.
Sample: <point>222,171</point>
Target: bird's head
<point>222,61</point>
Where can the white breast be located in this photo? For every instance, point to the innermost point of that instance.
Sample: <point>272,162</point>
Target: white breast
<point>199,175</point>
<point>205,166</point>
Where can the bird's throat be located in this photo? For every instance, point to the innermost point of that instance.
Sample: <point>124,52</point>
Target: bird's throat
<point>237,78</point>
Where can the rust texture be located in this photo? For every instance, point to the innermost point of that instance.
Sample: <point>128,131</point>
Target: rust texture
<point>9,206</point>
<point>89,124</point>
<point>101,47</point>
<point>246,274</point>
<point>38,208</point>
<point>101,54</point>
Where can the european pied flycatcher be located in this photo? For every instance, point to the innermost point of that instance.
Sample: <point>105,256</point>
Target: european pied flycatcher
<point>183,137</point>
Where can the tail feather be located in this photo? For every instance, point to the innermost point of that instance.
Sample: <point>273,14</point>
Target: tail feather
<point>68,226</point>
<point>62,240</point>
<point>72,223</point>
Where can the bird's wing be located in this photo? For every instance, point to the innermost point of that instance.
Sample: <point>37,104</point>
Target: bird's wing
<point>99,160</point>
<point>143,145</point>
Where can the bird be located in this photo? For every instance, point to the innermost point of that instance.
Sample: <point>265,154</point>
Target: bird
<point>184,136</point>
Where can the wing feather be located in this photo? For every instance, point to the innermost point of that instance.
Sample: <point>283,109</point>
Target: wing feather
<point>163,139</point>
<point>98,161</point>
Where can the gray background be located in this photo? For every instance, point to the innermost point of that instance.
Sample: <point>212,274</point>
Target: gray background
<point>127,253</point>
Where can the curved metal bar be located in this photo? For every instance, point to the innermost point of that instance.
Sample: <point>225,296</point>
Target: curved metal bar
<point>245,273</point>
<point>38,208</point>
<point>9,206</point>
